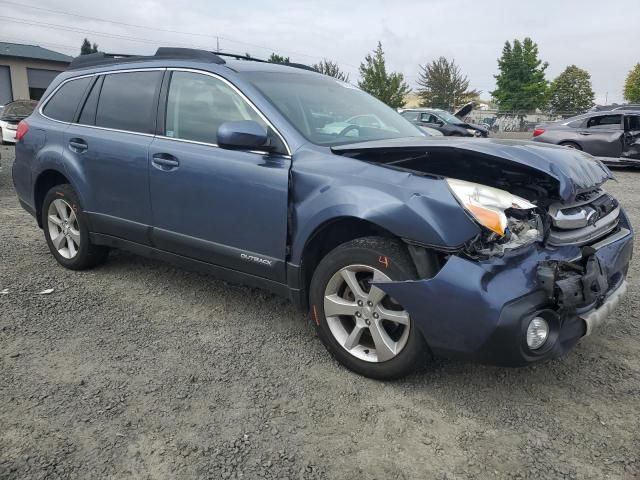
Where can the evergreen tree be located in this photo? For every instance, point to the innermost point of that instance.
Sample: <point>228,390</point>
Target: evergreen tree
<point>327,67</point>
<point>521,85</point>
<point>387,87</point>
<point>87,48</point>
<point>275,58</point>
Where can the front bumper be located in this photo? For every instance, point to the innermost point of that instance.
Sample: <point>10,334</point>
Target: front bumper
<point>480,310</point>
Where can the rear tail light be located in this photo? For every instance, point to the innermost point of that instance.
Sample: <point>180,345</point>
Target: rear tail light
<point>21,131</point>
<point>538,131</point>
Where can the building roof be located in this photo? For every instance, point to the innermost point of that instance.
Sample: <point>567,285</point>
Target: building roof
<point>33,52</point>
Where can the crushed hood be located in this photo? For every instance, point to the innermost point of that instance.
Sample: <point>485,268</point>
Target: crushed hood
<point>573,170</point>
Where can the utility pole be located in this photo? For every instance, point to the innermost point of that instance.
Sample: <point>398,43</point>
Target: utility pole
<point>217,44</point>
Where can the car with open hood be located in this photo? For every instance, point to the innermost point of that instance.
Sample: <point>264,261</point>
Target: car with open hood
<point>400,246</point>
<point>447,123</point>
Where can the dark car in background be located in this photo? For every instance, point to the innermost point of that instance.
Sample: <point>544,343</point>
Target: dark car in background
<point>399,246</point>
<point>613,136</point>
<point>443,121</point>
<point>11,115</point>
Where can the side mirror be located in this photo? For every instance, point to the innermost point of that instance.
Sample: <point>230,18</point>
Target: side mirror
<point>243,135</point>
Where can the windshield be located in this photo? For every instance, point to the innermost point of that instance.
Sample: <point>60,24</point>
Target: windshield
<point>330,112</point>
<point>449,118</point>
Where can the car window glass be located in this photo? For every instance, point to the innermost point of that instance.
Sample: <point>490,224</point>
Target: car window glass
<point>88,114</point>
<point>64,102</point>
<point>198,104</point>
<point>127,101</point>
<point>576,123</point>
<point>605,122</point>
<point>413,116</point>
<point>634,122</point>
<point>428,118</point>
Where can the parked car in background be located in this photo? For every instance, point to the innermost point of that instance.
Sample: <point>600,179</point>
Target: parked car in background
<point>443,121</point>
<point>11,115</point>
<point>613,136</point>
<point>399,246</point>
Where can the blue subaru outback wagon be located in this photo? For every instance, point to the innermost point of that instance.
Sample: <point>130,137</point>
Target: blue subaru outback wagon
<point>400,246</point>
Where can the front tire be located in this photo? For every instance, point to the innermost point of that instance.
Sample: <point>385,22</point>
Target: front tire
<point>66,230</point>
<point>363,328</point>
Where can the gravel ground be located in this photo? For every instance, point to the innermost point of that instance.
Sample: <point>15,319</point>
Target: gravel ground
<point>140,370</point>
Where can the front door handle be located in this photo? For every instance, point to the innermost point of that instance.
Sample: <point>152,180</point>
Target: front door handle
<point>165,162</point>
<point>78,145</point>
<point>585,133</point>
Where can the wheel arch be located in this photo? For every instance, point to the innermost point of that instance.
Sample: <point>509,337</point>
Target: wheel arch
<point>329,235</point>
<point>46,180</point>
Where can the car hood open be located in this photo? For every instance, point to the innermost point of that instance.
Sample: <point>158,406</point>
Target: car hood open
<point>573,171</point>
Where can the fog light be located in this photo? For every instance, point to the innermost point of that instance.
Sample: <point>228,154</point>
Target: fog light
<point>537,333</point>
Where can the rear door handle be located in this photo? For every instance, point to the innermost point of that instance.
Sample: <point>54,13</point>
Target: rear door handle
<point>585,133</point>
<point>165,162</point>
<point>78,145</point>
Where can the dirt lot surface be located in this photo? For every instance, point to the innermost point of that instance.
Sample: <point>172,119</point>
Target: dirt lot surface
<point>140,370</point>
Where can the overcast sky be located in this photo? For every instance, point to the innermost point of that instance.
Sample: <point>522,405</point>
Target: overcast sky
<point>600,36</point>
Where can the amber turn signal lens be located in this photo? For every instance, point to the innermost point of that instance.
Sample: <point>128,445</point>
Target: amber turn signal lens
<point>491,219</point>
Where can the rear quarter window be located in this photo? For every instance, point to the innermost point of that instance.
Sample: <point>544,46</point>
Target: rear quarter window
<point>64,102</point>
<point>128,100</point>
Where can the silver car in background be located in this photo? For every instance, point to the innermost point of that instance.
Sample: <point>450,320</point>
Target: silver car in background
<point>613,136</point>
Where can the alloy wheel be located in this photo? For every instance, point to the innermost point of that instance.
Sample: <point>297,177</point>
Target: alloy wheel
<point>64,230</point>
<point>363,319</point>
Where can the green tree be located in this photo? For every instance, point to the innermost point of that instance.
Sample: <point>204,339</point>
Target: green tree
<point>443,85</point>
<point>327,67</point>
<point>520,83</point>
<point>571,91</point>
<point>275,58</point>
<point>387,87</point>
<point>632,85</point>
<point>87,48</point>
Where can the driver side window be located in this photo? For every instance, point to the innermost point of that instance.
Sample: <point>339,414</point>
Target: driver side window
<point>198,104</point>
<point>428,118</point>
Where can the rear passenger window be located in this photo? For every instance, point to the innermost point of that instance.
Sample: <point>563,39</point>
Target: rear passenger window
<point>198,104</point>
<point>605,122</point>
<point>62,106</point>
<point>127,101</point>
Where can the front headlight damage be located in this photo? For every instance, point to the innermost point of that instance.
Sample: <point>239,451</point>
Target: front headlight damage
<point>508,221</point>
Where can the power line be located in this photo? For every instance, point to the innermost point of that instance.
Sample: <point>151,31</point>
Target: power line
<point>91,32</point>
<point>210,36</point>
<point>47,44</point>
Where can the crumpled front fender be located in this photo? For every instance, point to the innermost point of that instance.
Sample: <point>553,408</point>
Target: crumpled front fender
<point>467,301</point>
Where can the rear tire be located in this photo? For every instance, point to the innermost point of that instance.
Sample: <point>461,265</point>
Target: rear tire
<point>67,231</point>
<point>573,145</point>
<point>377,339</point>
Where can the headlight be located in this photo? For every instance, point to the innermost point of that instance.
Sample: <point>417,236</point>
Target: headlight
<point>487,204</point>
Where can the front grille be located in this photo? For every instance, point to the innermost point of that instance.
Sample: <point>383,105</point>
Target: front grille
<point>589,218</point>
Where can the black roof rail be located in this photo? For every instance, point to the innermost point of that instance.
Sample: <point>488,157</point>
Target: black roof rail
<point>261,60</point>
<point>241,57</point>
<point>102,58</point>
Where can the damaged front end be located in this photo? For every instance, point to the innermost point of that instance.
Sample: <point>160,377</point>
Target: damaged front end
<point>553,250</point>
